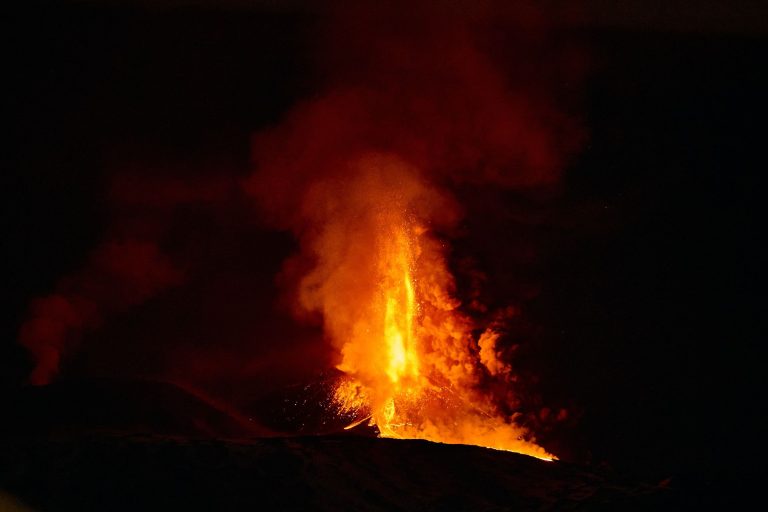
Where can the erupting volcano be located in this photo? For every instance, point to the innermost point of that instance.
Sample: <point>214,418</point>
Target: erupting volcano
<point>365,175</point>
<point>382,255</point>
<point>409,354</point>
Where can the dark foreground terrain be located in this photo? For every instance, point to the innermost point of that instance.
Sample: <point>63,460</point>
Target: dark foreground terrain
<point>124,472</point>
<point>113,444</point>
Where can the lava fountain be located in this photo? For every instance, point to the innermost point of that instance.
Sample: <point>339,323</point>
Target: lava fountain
<point>406,361</point>
<point>413,368</point>
<point>415,104</point>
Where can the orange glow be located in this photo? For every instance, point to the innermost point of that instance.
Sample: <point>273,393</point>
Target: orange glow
<point>411,362</point>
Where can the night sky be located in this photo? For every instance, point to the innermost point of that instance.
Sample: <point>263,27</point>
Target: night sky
<point>638,285</point>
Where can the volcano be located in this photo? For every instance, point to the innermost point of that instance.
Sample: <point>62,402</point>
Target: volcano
<point>322,255</point>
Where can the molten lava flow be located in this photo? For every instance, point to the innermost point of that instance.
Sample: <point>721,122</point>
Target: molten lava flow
<point>413,366</point>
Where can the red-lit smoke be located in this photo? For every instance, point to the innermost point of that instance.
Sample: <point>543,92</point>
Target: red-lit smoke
<point>416,102</point>
<point>127,269</point>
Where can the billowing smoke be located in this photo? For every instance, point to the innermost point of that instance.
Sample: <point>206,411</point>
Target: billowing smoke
<point>416,102</point>
<point>413,103</point>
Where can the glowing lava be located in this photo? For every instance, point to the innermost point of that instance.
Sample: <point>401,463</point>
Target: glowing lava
<point>412,364</point>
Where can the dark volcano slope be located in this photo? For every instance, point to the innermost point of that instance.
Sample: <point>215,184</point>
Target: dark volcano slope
<point>114,472</point>
<point>124,406</point>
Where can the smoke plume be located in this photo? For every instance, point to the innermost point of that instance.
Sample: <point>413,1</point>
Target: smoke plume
<point>416,102</point>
